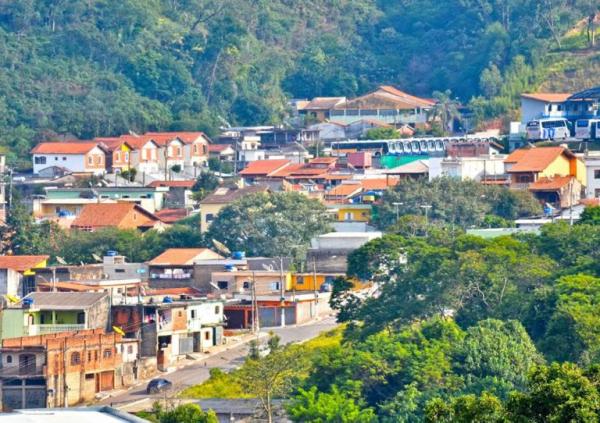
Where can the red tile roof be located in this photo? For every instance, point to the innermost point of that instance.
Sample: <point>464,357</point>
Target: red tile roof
<point>264,167</point>
<point>379,183</point>
<point>554,183</point>
<point>112,144</point>
<point>138,141</point>
<point>536,159</point>
<point>185,290</point>
<point>21,263</point>
<point>72,147</point>
<point>287,170</point>
<point>184,256</point>
<point>172,184</point>
<point>187,137</point>
<point>394,91</point>
<point>548,97</point>
<point>344,190</point>
<point>113,215</point>
<point>324,160</point>
<point>218,148</point>
<point>171,215</point>
<point>323,103</point>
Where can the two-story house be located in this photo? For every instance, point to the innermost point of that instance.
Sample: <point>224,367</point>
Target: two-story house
<point>17,274</point>
<point>116,215</point>
<point>72,156</point>
<point>553,174</point>
<point>195,145</point>
<point>41,313</point>
<point>118,157</point>
<point>58,370</point>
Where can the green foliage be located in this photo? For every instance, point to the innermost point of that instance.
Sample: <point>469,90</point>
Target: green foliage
<point>184,413</point>
<point>454,202</point>
<point>105,68</point>
<point>382,134</point>
<point>466,409</point>
<point>312,406</point>
<point>129,175</point>
<point>205,183</point>
<point>219,385</point>
<point>270,225</point>
<point>590,216</point>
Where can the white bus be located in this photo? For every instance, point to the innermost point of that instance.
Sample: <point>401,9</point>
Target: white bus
<point>548,129</point>
<point>587,129</point>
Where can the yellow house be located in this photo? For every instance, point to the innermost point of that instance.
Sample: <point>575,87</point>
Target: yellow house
<point>212,204</point>
<point>353,212</point>
<point>306,281</point>
<point>119,153</point>
<point>527,165</point>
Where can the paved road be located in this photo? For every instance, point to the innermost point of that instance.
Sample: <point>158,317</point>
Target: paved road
<point>230,359</point>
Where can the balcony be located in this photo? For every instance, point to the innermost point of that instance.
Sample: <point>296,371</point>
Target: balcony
<point>46,329</point>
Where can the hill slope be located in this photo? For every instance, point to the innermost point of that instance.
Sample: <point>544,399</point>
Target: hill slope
<point>103,67</point>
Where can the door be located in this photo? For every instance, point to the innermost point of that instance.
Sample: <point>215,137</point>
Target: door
<point>107,381</point>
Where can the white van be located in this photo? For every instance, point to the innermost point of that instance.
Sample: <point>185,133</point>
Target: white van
<point>587,129</point>
<point>548,129</point>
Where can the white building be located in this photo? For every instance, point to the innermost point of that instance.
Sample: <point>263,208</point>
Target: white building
<point>72,156</point>
<point>592,169</point>
<point>538,105</point>
<point>474,168</point>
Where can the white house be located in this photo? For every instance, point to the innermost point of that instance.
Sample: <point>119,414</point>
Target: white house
<point>194,145</point>
<point>144,156</point>
<point>537,105</point>
<point>73,156</point>
<point>592,169</point>
<point>474,168</point>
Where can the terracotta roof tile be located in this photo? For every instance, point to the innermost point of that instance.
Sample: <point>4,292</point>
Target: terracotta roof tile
<point>324,160</point>
<point>172,184</point>
<point>323,103</point>
<point>344,190</point>
<point>184,256</point>
<point>287,170</point>
<point>186,137</point>
<point>554,183</point>
<point>78,147</point>
<point>171,215</point>
<point>113,215</point>
<point>21,263</point>
<point>548,97</point>
<point>379,183</point>
<point>264,167</point>
<point>218,148</point>
<point>537,159</point>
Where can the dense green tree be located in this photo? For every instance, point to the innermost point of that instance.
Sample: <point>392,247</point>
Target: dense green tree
<point>205,183</point>
<point>382,134</point>
<point>312,406</point>
<point>185,413</point>
<point>466,409</point>
<point>270,224</point>
<point>590,216</point>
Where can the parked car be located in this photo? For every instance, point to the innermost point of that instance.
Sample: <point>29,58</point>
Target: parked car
<point>158,385</point>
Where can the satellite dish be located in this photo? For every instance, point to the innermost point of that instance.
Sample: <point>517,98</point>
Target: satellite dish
<point>267,267</point>
<point>96,257</point>
<point>215,286</point>
<point>60,260</point>
<point>221,248</point>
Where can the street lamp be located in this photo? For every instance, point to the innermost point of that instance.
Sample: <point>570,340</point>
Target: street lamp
<point>426,207</point>
<point>397,206</point>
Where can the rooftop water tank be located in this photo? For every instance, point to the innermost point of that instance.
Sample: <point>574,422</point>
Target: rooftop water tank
<point>238,255</point>
<point>111,253</point>
<point>167,300</point>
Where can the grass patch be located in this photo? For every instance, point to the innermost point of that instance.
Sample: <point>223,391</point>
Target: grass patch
<point>227,386</point>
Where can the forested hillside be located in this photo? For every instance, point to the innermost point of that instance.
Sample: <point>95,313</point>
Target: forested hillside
<point>102,67</point>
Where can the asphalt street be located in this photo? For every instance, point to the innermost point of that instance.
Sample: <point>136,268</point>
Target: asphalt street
<point>196,373</point>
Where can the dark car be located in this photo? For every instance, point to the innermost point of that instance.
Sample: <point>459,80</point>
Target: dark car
<point>158,385</point>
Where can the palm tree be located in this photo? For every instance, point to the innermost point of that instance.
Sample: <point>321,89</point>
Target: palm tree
<point>445,110</point>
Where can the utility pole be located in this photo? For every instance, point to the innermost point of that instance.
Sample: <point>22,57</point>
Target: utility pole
<point>255,316</point>
<point>282,291</point>
<point>315,286</point>
<point>571,202</point>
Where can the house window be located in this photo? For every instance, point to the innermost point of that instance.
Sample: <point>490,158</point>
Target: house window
<point>300,280</point>
<point>223,284</point>
<point>107,354</point>
<point>39,160</point>
<point>55,158</point>
<point>90,160</point>
<point>217,309</point>
<point>89,376</point>
<point>348,216</point>
<point>89,356</point>
<point>275,286</point>
<point>179,313</point>
<point>127,156</point>
<point>98,159</point>
<point>75,358</point>
<point>9,359</point>
<point>524,179</point>
<point>195,148</point>
<point>117,157</point>
<point>129,349</point>
<point>559,107</point>
<point>96,355</point>
<point>193,314</point>
<point>64,159</point>
<point>597,174</point>
<point>207,336</point>
<point>246,285</point>
<point>209,217</point>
